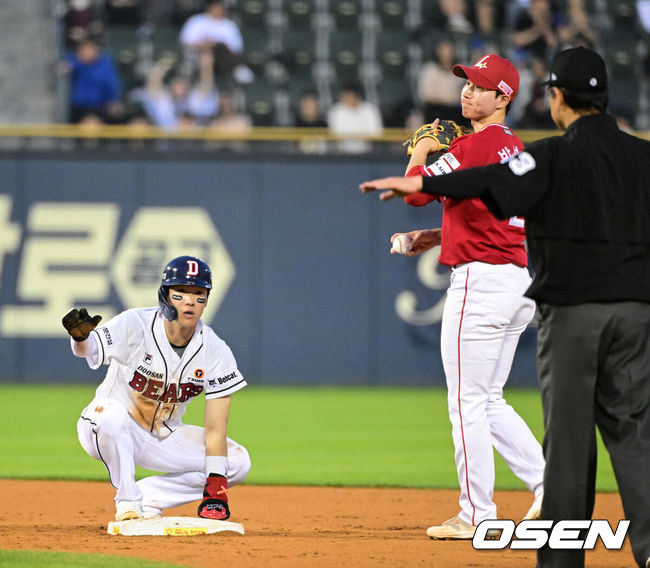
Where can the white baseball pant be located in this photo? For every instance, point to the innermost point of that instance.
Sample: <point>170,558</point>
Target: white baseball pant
<point>108,433</point>
<point>484,315</point>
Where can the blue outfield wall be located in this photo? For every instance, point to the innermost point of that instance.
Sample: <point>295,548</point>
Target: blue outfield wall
<point>306,291</point>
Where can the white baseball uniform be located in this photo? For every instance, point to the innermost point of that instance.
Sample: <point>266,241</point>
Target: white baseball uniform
<point>485,313</point>
<point>135,417</point>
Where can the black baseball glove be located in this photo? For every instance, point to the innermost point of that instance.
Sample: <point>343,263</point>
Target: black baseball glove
<point>79,324</point>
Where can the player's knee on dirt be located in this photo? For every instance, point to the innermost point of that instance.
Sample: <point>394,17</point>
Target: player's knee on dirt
<point>239,464</point>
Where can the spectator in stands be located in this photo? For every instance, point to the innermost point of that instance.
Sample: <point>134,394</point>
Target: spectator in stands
<point>487,16</point>
<point>535,29</point>
<point>138,125</point>
<point>308,111</point>
<point>231,119</point>
<point>213,29</point>
<point>138,119</point>
<point>90,125</point>
<point>488,20</point>
<point>438,88</point>
<point>351,116</point>
<point>170,105</point>
<point>309,115</point>
<point>79,17</point>
<point>186,122</point>
<point>456,15</point>
<point>95,85</point>
<point>536,112</point>
<point>577,32</point>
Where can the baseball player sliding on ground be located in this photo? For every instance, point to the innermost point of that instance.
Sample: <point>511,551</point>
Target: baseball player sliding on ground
<point>159,359</point>
<point>485,311</point>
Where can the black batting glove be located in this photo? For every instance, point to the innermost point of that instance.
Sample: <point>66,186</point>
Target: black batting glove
<point>79,324</point>
<point>215,498</point>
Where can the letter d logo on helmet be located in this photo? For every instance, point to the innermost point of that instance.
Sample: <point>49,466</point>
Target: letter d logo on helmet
<point>183,270</point>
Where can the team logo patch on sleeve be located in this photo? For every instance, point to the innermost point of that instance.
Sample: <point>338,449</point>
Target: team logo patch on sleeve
<point>451,160</point>
<point>439,168</point>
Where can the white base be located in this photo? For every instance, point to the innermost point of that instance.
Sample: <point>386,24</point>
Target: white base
<point>172,526</point>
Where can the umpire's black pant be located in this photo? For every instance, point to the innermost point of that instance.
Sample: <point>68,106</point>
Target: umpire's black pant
<point>593,363</point>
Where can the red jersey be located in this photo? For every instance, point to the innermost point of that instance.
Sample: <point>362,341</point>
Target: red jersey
<point>469,231</point>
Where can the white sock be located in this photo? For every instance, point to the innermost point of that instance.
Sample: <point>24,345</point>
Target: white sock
<point>216,464</point>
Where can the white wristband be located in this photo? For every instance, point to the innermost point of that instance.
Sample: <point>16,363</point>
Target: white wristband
<point>216,464</point>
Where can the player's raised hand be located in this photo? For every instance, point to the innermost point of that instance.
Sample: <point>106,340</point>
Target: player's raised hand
<point>79,323</point>
<point>391,187</point>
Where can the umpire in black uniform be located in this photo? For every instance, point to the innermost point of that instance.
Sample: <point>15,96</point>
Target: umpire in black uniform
<point>586,199</point>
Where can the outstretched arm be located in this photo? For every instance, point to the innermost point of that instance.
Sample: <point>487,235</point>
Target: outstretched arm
<point>461,184</point>
<point>512,188</point>
<point>391,187</point>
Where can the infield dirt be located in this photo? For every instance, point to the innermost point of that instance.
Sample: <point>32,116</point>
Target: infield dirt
<point>286,527</point>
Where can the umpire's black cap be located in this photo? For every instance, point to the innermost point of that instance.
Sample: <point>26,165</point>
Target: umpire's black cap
<point>578,69</point>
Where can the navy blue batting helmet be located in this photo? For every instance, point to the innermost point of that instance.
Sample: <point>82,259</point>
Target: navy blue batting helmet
<point>183,270</point>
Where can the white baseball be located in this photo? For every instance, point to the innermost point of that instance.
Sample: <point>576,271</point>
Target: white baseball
<point>402,244</point>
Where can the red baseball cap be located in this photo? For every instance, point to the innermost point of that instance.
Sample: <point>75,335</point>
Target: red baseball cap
<point>491,72</point>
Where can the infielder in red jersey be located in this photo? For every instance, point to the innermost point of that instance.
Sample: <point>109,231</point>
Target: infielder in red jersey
<point>485,310</point>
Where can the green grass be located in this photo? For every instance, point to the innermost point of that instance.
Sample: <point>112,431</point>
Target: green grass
<point>305,436</point>
<point>300,436</point>
<point>28,559</point>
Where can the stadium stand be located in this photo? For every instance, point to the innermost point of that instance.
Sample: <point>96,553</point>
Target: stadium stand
<point>297,45</point>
